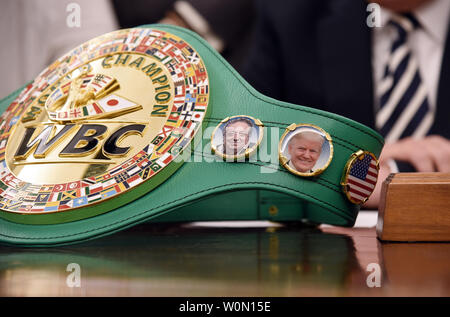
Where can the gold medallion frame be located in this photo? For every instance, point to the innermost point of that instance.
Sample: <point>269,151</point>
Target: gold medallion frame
<point>284,160</point>
<point>249,151</point>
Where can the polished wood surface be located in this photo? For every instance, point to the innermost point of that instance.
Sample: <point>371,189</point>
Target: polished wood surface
<point>415,207</point>
<point>186,260</point>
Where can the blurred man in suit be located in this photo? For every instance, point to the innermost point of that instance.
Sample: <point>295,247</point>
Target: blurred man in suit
<point>393,78</point>
<point>226,24</point>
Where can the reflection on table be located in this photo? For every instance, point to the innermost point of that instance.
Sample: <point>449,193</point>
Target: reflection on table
<point>184,260</point>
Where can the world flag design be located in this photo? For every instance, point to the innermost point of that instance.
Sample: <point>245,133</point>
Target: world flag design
<point>188,73</point>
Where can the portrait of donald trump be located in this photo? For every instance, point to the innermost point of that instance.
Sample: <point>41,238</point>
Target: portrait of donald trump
<point>306,150</point>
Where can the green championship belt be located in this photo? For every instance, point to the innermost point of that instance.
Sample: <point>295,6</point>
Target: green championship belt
<point>151,124</point>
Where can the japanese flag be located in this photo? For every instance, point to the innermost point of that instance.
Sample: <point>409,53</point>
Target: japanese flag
<point>113,103</point>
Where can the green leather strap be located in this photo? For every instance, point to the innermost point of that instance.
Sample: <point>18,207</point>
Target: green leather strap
<point>204,190</point>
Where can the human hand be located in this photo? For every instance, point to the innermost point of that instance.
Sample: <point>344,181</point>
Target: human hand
<point>429,154</point>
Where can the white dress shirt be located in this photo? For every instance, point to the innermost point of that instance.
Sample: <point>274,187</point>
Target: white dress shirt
<point>427,44</point>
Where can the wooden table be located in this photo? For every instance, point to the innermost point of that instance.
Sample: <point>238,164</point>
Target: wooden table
<point>184,260</point>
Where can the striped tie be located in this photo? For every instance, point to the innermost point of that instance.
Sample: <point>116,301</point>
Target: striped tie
<point>404,105</point>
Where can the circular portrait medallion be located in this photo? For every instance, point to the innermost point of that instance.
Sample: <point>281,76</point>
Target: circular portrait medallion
<point>237,137</point>
<point>305,150</point>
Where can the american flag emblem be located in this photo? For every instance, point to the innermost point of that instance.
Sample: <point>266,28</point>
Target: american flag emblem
<point>361,178</point>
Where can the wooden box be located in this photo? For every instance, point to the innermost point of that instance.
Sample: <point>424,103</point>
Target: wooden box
<point>415,207</point>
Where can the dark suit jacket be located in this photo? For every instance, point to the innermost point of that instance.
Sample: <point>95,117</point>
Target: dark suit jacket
<point>232,20</point>
<point>318,54</point>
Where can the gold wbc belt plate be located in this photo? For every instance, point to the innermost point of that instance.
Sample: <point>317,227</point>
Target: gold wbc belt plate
<point>102,120</point>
